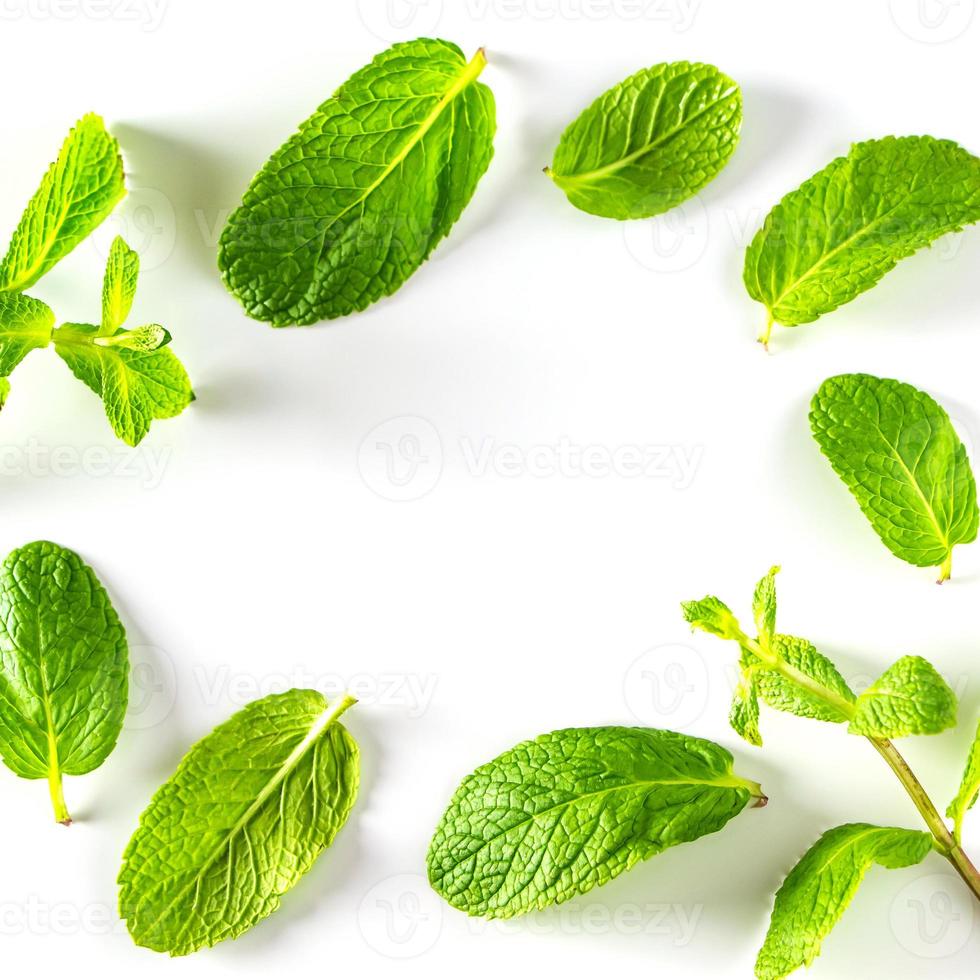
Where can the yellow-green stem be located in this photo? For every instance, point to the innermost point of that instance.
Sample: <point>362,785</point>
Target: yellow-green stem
<point>61,813</point>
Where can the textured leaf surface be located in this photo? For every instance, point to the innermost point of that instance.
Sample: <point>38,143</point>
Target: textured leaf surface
<point>63,664</point>
<point>845,227</point>
<point>563,813</point>
<point>910,698</point>
<point>784,694</point>
<point>135,386</point>
<point>711,615</point>
<point>77,193</point>
<point>896,450</point>
<point>355,201</point>
<point>243,818</point>
<point>118,286</point>
<point>818,890</point>
<point>744,713</point>
<point>650,142</point>
<point>966,796</point>
<point>764,604</point>
<point>25,323</point>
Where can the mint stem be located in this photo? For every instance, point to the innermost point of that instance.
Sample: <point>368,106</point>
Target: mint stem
<point>61,813</point>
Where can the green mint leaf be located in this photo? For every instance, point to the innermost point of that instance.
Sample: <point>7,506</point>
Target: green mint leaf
<point>896,450</point>
<point>147,338</point>
<point>910,698</point>
<point>135,386</point>
<point>63,667</point>
<point>711,615</point>
<point>849,224</point>
<point>650,142</point>
<point>77,193</point>
<point>352,204</point>
<point>119,286</point>
<point>4,391</point>
<point>25,324</point>
<point>969,789</point>
<point>248,811</point>
<point>743,715</point>
<point>818,890</point>
<point>764,604</point>
<point>806,664</point>
<point>559,815</point>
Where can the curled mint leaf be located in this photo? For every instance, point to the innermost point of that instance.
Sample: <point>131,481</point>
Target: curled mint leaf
<point>910,698</point>
<point>77,193</point>
<point>352,204</point>
<point>63,668</point>
<point>818,890</point>
<point>966,796</point>
<point>899,455</point>
<point>711,615</point>
<point>844,228</point>
<point>650,142</point>
<point>566,812</point>
<point>248,811</point>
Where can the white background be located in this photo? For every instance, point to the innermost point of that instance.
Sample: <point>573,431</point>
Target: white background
<point>254,544</point>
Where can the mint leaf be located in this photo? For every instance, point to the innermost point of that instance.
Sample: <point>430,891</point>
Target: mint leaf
<point>849,224</point>
<point>804,663</point>
<point>135,386</point>
<point>969,789</point>
<point>77,193</point>
<point>818,890</point>
<point>4,391</point>
<point>248,811</point>
<point>650,142</point>
<point>559,815</point>
<point>25,324</point>
<point>147,338</point>
<point>910,698</point>
<point>711,615</point>
<point>119,286</point>
<point>744,712</point>
<point>63,667</point>
<point>897,452</point>
<point>352,204</point>
<point>764,604</point>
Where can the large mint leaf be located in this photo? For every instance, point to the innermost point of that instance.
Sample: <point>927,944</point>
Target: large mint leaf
<point>355,201</point>
<point>25,324</point>
<point>63,666</point>
<point>788,690</point>
<point>248,811</point>
<point>76,194</point>
<point>818,890</point>
<point>966,796</point>
<point>650,142</point>
<point>896,450</point>
<point>845,227</point>
<point>559,815</point>
<point>910,698</point>
<point>136,386</point>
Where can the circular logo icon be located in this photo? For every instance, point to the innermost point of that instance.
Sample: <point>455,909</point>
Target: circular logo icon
<point>670,242</point>
<point>932,916</point>
<point>932,21</point>
<point>401,459</point>
<point>152,687</point>
<point>147,221</point>
<point>667,685</point>
<point>400,20</point>
<point>400,917</point>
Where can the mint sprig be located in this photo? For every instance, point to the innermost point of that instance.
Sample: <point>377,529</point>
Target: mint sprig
<point>910,698</point>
